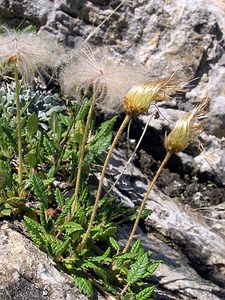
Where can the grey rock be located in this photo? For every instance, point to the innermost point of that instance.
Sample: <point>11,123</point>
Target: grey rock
<point>183,37</point>
<point>165,121</point>
<point>211,78</point>
<point>165,36</point>
<point>210,84</point>
<point>36,12</point>
<point>203,246</point>
<point>26,273</point>
<point>175,278</point>
<point>216,124</point>
<point>212,158</point>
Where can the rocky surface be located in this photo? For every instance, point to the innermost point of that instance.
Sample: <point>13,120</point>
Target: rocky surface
<point>26,273</point>
<point>195,252</point>
<point>186,37</point>
<point>175,279</point>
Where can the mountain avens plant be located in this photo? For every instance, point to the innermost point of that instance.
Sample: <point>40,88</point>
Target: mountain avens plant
<point>136,102</point>
<point>90,73</point>
<point>48,142</point>
<point>25,54</point>
<point>185,132</point>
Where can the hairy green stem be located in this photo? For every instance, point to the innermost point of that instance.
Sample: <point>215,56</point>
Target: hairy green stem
<point>167,157</point>
<point>62,145</point>
<point>80,165</point>
<point>117,136</point>
<point>19,130</point>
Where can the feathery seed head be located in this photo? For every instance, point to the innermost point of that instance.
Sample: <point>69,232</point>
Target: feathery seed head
<point>90,70</point>
<point>141,96</point>
<point>187,129</point>
<point>85,69</point>
<point>29,51</point>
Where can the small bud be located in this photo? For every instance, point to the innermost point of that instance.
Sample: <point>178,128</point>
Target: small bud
<point>187,129</point>
<point>139,98</point>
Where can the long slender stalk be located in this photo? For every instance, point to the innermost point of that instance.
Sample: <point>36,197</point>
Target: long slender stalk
<point>124,290</point>
<point>128,137</point>
<point>167,157</point>
<point>80,165</point>
<point>116,138</point>
<point>19,131</point>
<point>62,145</point>
<point>132,155</point>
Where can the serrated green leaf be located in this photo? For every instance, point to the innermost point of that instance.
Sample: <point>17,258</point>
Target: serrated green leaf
<point>137,248</point>
<point>100,143</point>
<point>114,243</point>
<point>51,172</point>
<point>71,227</point>
<point>126,256</point>
<point>35,230</point>
<point>65,212</point>
<point>153,266</point>
<point>138,269</point>
<point>97,149</point>
<point>39,190</point>
<point>102,258</point>
<point>61,246</point>
<point>145,294</point>
<point>103,232</point>
<point>65,120</point>
<point>6,210</point>
<point>49,147</point>
<point>128,296</point>
<point>83,110</point>
<point>81,216</point>
<point>16,201</point>
<point>102,272</point>
<point>60,199</point>
<point>104,129</point>
<point>32,124</point>
<point>84,285</point>
<point>107,253</point>
<point>31,159</point>
<point>10,137</point>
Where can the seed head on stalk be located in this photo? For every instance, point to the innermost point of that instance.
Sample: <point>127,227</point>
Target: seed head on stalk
<point>139,98</point>
<point>31,52</point>
<point>26,54</point>
<point>187,129</point>
<point>90,71</point>
<point>136,101</point>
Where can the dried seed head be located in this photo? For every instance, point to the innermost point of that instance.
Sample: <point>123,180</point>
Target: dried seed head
<point>87,71</point>
<point>29,51</point>
<point>91,70</point>
<point>187,129</point>
<point>141,96</point>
